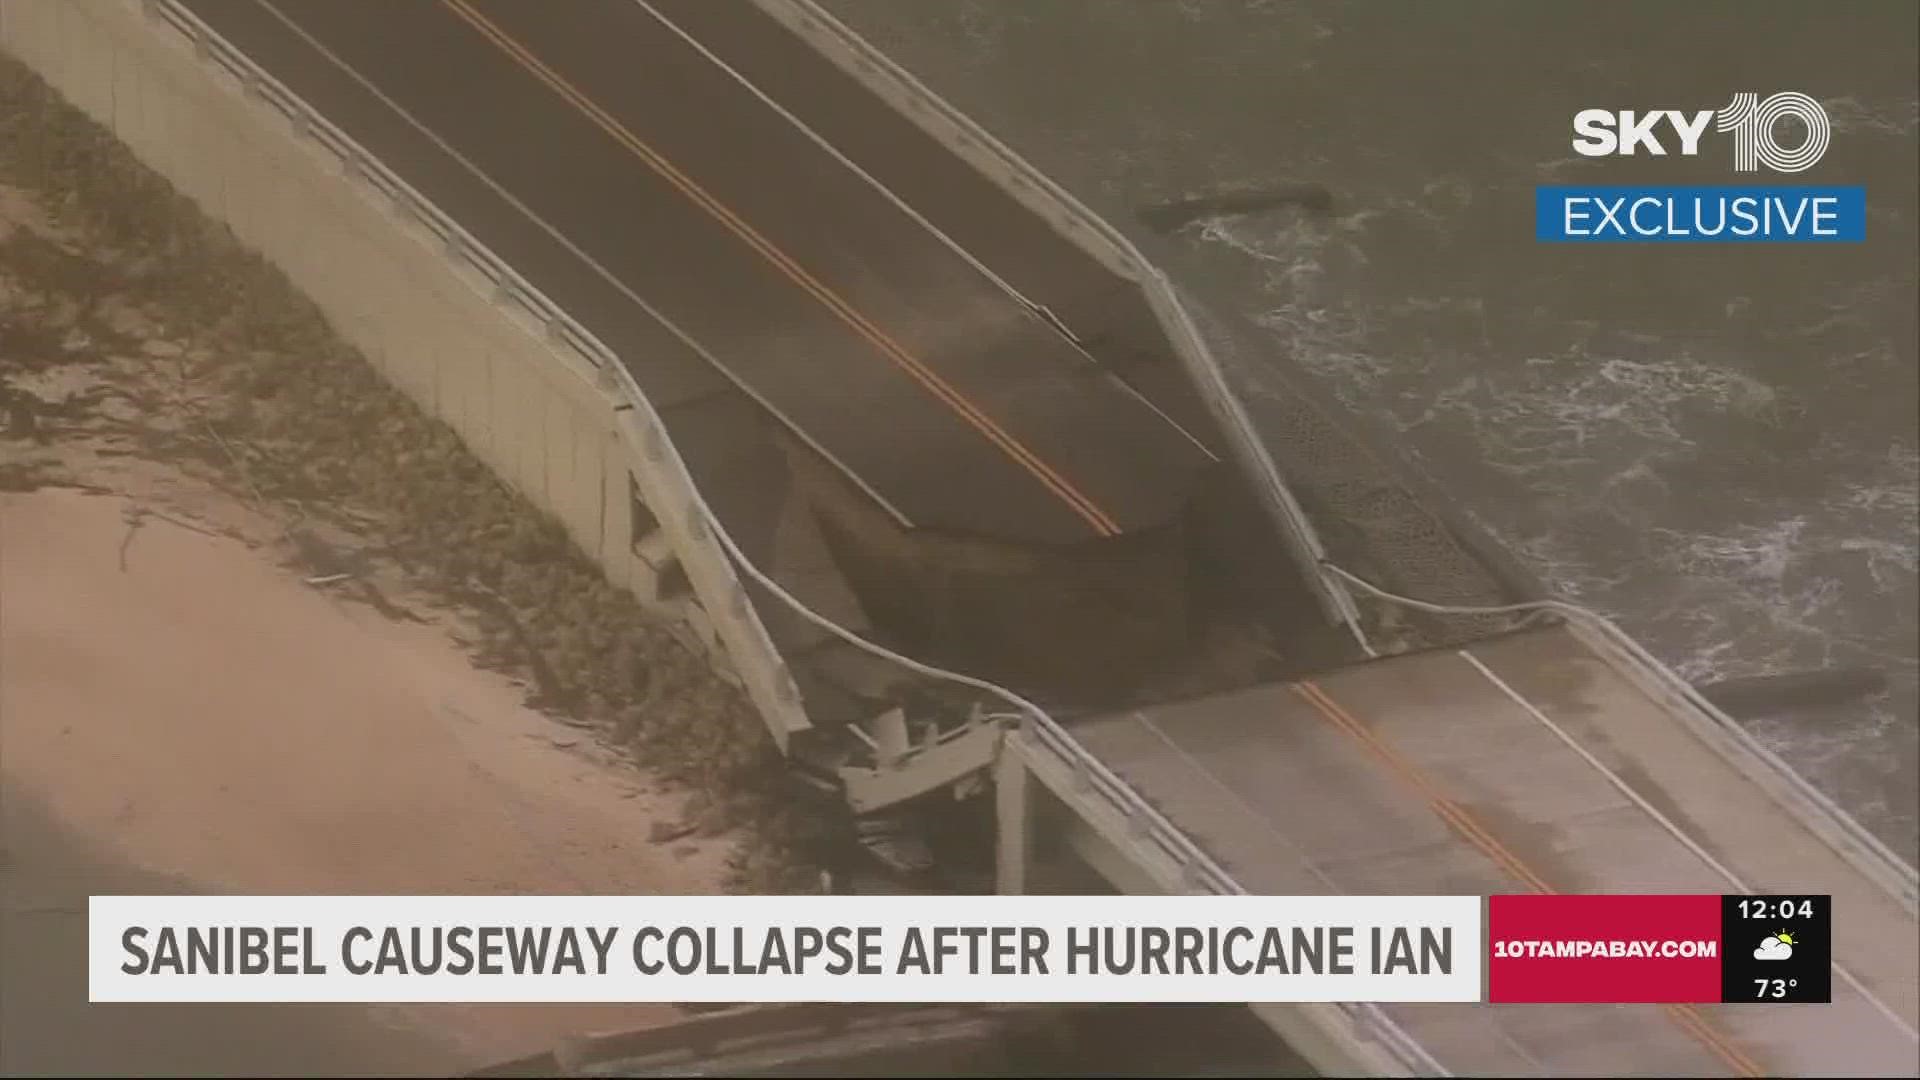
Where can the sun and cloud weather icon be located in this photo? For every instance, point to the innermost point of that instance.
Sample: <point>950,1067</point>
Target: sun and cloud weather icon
<point>1776,947</point>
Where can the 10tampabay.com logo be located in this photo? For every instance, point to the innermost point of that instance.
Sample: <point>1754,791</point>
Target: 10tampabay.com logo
<point>1740,213</point>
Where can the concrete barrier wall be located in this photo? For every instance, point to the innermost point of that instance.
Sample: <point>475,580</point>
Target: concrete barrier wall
<point>441,319</point>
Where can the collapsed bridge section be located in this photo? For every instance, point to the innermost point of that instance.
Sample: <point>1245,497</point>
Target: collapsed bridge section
<point>863,400</point>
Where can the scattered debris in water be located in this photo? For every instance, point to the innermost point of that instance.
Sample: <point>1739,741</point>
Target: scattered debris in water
<point>1766,695</point>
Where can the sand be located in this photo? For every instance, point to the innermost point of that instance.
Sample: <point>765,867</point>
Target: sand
<point>203,714</point>
<point>182,709</point>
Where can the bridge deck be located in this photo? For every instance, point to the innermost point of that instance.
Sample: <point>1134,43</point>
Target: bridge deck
<point>613,158</point>
<point>1444,772</point>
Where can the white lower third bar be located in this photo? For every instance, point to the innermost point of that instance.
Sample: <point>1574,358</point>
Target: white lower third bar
<point>784,948</point>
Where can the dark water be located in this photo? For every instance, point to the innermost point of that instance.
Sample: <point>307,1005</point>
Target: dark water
<point>1715,445</point>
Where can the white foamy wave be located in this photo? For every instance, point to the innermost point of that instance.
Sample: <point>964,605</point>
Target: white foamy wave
<point>1288,243</point>
<point>1331,344</point>
<point>1567,570</point>
<point>1891,563</point>
<point>1766,581</point>
<point>1759,554</point>
<point>1880,509</point>
<point>1894,488</point>
<point>1554,412</point>
<point>1327,337</point>
<point>1851,116</point>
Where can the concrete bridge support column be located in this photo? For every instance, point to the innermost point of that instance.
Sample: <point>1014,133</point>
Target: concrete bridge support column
<point>1013,823</point>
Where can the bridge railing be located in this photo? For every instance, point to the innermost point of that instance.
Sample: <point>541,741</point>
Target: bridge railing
<point>1839,829</point>
<point>670,492</point>
<point>1828,820</point>
<point>1150,827</point>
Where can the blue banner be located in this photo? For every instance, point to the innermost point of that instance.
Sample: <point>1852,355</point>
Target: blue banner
<point>1739,214</point>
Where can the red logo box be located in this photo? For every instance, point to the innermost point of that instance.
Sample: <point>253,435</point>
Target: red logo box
<point>1556,948</point>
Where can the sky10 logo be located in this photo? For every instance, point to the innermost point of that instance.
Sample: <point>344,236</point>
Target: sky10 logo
<point>1752,121</point>
<point>1744,212</point>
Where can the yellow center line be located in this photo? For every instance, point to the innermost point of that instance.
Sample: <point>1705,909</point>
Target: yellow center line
<point>1053,481</point>
<point>1685,1016</point>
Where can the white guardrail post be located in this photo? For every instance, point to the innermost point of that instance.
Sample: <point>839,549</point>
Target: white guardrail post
<point>666,486</point>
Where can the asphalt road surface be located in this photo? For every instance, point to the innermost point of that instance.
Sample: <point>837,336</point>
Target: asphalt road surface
<point>647,171</point>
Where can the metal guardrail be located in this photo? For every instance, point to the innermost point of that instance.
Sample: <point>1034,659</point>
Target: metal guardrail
<point>459,245</point>
<point>1838,829</point>
<point>780,701</point>
<point>1203,873</point>
<point>1832,824</point>
<point>1073,219</point>
<point>1149,826</point>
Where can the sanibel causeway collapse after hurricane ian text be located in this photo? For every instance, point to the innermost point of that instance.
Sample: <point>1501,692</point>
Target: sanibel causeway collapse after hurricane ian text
<point>832,950</point>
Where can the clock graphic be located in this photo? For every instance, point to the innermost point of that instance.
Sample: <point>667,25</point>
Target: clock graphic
<point>1776,949</point>
<point>1762,908</point>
